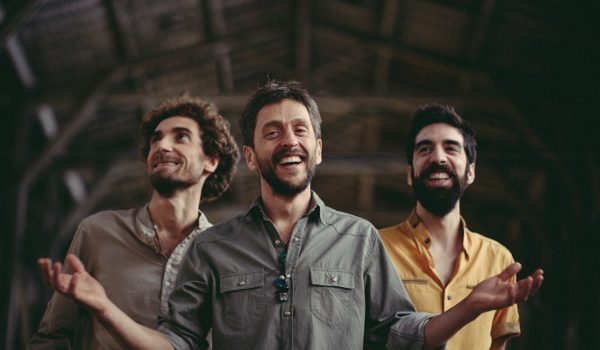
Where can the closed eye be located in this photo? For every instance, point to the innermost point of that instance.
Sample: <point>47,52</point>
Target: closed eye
<point>301,131</point>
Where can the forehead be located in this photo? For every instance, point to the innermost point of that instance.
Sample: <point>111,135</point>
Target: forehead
<point>285,111</point>
<point>178,122</point>
<point>439,132</point>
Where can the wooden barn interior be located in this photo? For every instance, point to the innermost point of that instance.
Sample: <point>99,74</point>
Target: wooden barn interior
<point>76,76</point>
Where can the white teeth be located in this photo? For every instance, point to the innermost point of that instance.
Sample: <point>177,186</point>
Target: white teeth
<point>289,160</point>
<point>165,163</point>
<point>438,176</point>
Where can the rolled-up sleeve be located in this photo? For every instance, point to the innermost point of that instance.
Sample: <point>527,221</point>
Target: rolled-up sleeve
<point>392,321</point>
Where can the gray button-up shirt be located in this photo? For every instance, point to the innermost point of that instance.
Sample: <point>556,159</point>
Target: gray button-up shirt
<point>119,248</point>
<point>343,290</point>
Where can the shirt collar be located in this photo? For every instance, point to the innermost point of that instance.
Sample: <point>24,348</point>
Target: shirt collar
<point>315,211</point>
<point>147,232</point>
<point>423,235</point>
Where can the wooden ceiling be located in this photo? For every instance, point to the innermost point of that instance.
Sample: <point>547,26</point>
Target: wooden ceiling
<point>76,77</point>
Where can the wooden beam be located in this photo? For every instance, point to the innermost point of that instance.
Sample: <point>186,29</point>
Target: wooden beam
<point>303,36</point>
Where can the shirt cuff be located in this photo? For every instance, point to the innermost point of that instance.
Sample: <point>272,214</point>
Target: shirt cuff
<point>409,331</point>
<point>510,329</point>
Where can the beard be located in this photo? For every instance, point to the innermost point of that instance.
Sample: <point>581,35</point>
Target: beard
<point>280,186</point>
<point>166,186</point>
<point>167,183</point>
<point>439,201</point>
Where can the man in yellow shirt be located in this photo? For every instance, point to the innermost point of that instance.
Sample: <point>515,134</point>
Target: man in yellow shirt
<point>437,257</point>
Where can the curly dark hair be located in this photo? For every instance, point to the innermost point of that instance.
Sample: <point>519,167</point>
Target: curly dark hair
<point>438,113</point>
<point>217,140</point>
<point>274,91</point>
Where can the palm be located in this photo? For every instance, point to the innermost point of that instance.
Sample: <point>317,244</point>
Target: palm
<point>80,285</point>
<point>494,293</point>
<point>499,291</point>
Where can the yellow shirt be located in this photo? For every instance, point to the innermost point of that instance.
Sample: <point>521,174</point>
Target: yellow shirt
<point>408,245</point>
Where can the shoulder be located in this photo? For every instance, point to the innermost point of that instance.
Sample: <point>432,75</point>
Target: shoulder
<point>346,223</point>
<point>104,216</point>
<point>489,246</point>
<point>107,222</point>
<point>394,230</point>
<point>226,230</point>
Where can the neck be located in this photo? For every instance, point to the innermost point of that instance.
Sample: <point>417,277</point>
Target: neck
<point>285,211</point>
<point>444,230</point>
<point>176,216</point>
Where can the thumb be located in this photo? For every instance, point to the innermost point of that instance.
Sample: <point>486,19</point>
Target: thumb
<point>75,264</point>
<point>510,271</point>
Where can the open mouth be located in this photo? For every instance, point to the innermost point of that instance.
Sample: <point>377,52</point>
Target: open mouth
<point>439,176</point>
<point>164,162</point>
<point>290,160</point>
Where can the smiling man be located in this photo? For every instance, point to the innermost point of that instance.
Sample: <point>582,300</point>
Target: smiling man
<point>438,258</point>
<point>135,254</point>
<point>291,272</point>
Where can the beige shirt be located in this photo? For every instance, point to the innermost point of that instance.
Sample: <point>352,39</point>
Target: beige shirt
<point>119,249</point>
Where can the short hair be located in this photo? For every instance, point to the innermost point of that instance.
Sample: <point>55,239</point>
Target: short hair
<point>217,140</point>
<point>274,91</point>
<point>438,113</point>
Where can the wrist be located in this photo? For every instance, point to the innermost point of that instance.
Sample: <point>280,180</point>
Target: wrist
<point>469,308</point>
<point>105,309</point>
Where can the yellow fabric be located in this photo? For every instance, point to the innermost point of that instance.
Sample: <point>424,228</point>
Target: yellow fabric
<point>408,247</point>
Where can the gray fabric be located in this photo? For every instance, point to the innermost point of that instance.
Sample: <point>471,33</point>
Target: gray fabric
<point>119,249</point>
<point>344,291</point>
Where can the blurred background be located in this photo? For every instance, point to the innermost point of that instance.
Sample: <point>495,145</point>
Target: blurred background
<point>77,75</point>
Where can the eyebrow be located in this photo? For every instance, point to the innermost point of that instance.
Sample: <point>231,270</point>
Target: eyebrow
<point>179,129</point>
<point>277,123</point>
<point>444,142</point>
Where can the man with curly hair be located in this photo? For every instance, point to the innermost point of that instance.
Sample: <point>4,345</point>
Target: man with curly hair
<point>135,254</point>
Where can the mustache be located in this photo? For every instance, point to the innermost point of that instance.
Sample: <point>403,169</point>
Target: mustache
<point>434,167</point>
<point>163,157</point>
<point>286,152</point>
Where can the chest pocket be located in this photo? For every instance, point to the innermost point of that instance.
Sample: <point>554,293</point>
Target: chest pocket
<point>243,299</point>
<point>331,294</point>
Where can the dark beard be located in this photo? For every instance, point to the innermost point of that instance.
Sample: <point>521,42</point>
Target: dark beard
<point>166,186</point>
<point>279,186</point>
<point>439,201</point>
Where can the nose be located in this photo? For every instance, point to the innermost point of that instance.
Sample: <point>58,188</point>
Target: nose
<point>290,139</point>
<point>163,144</point>
<point>438,155</point>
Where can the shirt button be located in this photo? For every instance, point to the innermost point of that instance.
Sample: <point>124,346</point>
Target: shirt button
<point>277,242</point>
<point>296,239</point>
<point>167,283</point>
<point>334,279</point>
<point>287,314</point>
<point>241,283</point>
<point>289,275</point>
<point>449,297</point>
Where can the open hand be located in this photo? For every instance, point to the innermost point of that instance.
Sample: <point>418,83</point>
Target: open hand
<point>79,285</point>
<point>498,292</point>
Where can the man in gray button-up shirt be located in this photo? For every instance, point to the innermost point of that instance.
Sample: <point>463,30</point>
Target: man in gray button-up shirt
<point>291,273</point>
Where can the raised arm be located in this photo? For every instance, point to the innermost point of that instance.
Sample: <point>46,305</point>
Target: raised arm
<point>492,294</point>
<point>86,290</point>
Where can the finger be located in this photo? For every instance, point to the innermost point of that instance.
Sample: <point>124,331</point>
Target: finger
<point>55,280</point>
<point>509,271</point>
<point>45,268</point>
<point>75,264</point>
<point>538,279</point>
<point>525,286</point>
